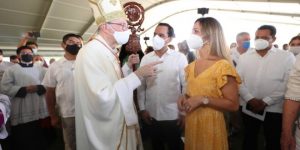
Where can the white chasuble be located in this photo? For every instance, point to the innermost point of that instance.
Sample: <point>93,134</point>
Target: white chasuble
<point>105,113</point>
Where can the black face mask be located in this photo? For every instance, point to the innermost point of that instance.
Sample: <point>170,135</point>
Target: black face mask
<point>73,49</point>
<point>26,58</point>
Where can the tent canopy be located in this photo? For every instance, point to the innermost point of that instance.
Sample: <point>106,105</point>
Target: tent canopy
<point>55,18</point>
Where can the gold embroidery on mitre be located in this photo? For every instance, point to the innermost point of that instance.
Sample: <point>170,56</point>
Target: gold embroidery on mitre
<point>114,2</point>
<point>109,17</point>
<point>101,15</point>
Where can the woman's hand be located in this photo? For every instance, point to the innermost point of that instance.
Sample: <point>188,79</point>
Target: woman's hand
<point>192,103</point>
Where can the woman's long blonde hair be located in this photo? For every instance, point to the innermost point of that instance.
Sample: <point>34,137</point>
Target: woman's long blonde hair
<point>212,30</point>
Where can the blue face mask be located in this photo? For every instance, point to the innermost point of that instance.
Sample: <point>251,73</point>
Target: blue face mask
<point>246,44</point>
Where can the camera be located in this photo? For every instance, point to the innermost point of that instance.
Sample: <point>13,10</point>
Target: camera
<point>34,34</point>
<point>146,38</point>
<point>203,11</point>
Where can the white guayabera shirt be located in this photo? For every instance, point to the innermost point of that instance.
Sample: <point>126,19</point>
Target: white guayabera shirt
<point>158,95</point>
<point>293,93</point>
<point>60,76</point>
<point>265,77</point>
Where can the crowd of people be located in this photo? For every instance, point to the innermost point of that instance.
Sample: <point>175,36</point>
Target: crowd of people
<point>185,100</point>
<point>33,88</point>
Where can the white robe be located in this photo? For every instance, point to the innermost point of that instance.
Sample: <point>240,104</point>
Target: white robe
<point>5,108</point>
<point>105,115</point>
<point>33,106</point>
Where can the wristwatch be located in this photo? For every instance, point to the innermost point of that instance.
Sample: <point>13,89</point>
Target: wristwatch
<point>205,100</point>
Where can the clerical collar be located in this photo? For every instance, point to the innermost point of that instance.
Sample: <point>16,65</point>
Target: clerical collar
<point>22,64</point>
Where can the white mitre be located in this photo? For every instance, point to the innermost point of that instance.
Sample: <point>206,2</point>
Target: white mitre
<point>106,10</point>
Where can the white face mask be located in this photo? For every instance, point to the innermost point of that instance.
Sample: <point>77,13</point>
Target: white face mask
<point>295,49</point>
<point>122,37</point>
<point>158,43</point>
<point>39,63</point>
<point>34,50</point>
<point>194,41</point>
<point>261,44</point>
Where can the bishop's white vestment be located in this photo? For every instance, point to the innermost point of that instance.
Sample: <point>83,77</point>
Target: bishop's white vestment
<point>106,118</point>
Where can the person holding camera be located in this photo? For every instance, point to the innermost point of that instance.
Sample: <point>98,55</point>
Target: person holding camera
<point>28,40</point>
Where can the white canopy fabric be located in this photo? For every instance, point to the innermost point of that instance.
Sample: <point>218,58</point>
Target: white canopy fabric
<point>234,17</point>
<point>55,18</point>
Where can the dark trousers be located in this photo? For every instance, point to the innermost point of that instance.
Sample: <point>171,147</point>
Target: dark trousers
<point>272,131</point>
<point>28,136</point>
<point>165,133</point>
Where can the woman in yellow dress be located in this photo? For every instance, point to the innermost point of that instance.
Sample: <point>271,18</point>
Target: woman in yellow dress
<point>212,88</point>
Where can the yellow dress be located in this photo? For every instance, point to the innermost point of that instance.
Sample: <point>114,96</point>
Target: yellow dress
<point>205,127</point>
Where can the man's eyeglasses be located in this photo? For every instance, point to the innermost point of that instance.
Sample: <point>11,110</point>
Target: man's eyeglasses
<point>124,25</point>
